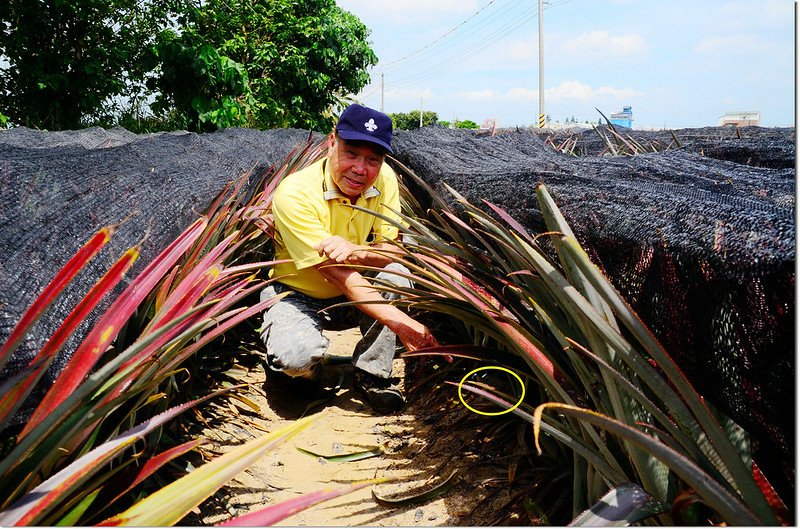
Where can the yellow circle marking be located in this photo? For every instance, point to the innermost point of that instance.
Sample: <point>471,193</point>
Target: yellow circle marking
<point>493,413</point>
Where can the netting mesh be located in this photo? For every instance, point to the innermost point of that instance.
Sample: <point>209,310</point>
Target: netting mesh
<point>57,189</point>
<point>762,147</point>
<point>700,240</point>
<point>703,248</point>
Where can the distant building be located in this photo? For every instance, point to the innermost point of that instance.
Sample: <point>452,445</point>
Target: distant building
<point>745,118</point>
<point>622,119</point>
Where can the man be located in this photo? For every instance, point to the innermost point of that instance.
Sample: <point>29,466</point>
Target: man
<point>319,231</point>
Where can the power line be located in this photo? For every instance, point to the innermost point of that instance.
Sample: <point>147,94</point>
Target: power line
<point>487,40</point>
<point>465,54</point>
<point>457,39</point>
<point>375,88</point>
<point>443,36</point>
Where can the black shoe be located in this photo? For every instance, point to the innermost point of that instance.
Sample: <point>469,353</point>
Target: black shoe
<point>384,397</point>
<point>298,386</point>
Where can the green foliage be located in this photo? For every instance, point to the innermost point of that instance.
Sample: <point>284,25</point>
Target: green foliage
<point>264,63</point>
<point>208,90</point>
<point>219,63</point>
<point>466,124</point>
<point>68,59</point>
<point>445,124</point>
<point>609,392</point>
<point>410,120</point>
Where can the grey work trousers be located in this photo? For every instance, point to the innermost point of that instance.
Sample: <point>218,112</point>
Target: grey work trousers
<point>292,330</point>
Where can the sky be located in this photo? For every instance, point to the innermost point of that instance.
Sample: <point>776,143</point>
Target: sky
<point>677,63</point>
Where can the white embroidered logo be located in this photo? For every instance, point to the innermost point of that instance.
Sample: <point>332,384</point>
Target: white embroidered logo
<point>370,125</point>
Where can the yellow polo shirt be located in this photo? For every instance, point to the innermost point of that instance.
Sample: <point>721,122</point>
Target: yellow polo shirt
<point>308,208</point>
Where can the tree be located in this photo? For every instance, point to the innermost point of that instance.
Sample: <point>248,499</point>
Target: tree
<point>201,88</point>
<point>67,60</point>
<point>410,120</point>
<point>262,63</point>
<point>466,124</point>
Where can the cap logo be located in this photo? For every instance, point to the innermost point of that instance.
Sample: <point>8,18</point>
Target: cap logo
<point>370,125</point>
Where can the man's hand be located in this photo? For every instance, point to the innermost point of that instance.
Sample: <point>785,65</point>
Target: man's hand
<point>414,335</point>
<point>355,287</point>
<point>340,250</point>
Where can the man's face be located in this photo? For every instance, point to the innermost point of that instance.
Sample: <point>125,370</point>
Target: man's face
<point>354,165</point>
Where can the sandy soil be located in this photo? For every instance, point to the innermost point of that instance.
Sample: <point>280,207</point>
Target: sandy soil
<point>345,424</point>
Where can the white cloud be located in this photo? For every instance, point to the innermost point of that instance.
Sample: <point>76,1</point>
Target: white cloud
<point>519,93</point>
<point>478,95</point>
<point>602,43</point>
<point>569,90</point>
<point>731,45</point>
<point>566,91</point>
<point>409,93</point>
<point>516,94</point>
<point>577,91</point>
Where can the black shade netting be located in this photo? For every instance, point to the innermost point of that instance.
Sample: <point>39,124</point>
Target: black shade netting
<point>700,239</point>
<point>59,188</point>
<point>703,248</point>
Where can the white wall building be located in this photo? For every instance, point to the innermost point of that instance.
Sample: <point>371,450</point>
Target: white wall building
<point>744,118</point>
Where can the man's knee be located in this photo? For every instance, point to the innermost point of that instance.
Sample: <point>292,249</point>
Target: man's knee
<point>396,274</point>
<point>294,340</point>
<point>294,351</point>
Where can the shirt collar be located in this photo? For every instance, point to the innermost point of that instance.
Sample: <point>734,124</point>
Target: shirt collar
<point>330,191</point>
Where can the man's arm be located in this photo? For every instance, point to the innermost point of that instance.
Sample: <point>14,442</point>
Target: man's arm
<point>355,287</point>
<point>340,250</point>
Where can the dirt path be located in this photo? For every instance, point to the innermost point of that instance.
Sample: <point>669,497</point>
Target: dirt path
<point>345,425</point>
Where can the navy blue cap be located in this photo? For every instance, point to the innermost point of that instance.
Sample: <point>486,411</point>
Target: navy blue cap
<point>359,123</point>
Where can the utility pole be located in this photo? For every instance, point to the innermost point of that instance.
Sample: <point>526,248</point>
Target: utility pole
<point>420,111</point>
<point>382,86</point>
<point>541,68</point>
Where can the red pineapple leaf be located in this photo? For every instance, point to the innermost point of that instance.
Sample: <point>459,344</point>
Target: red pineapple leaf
<point>53,289</point>
<point>213,229</point>
<point>185,295</point>
<point>275,513</point>
<point>213,310</point>
<point>11,400</point>
<point>544,363</point>
<point>126,483</point>
<point>511,221</point>
<point>164,289</point>
<point>168,505</point>
<point>191,278</point>
<point>108,326</point>
<point>250,267</point>
<point>222,328</point>
<point>188,299</point>
<point>775,501</point>
<point>32,507</point>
